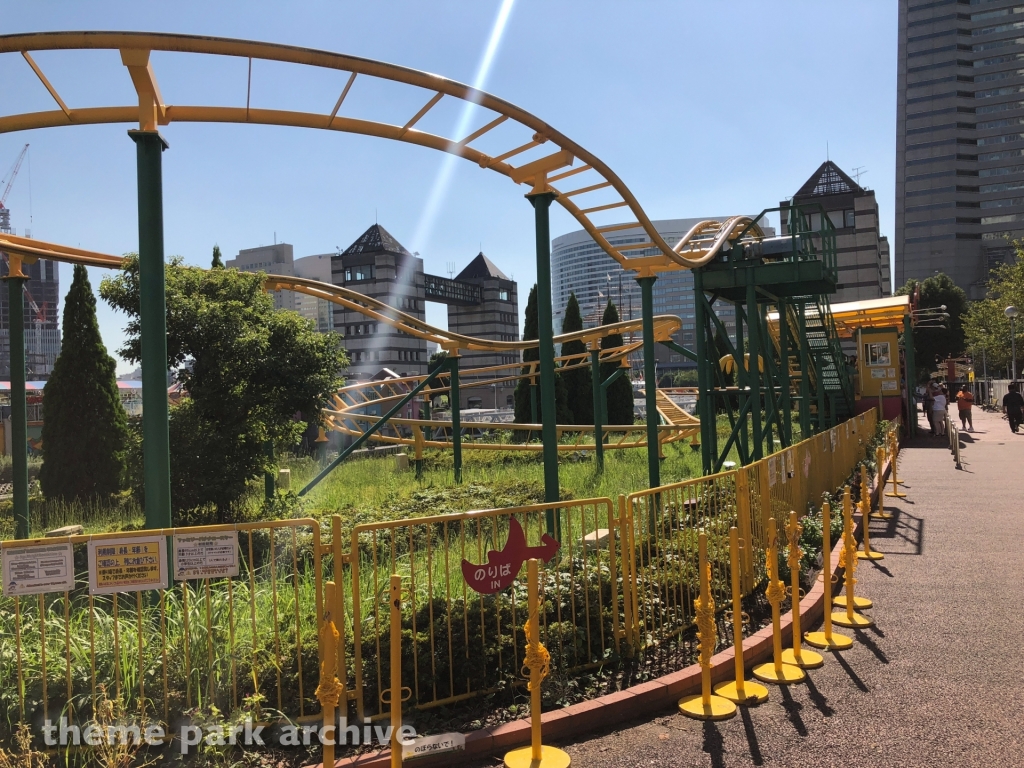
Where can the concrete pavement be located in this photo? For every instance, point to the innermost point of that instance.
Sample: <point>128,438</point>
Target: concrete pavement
<point>936,682</point>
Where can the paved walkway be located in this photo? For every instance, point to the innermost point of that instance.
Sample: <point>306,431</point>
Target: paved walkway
<point>937,683</point>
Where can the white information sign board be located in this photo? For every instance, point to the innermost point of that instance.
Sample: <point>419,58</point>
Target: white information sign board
<point>433,745</point>
<point>205,555</point>
<point>129,564</point>
<point>38,568</point>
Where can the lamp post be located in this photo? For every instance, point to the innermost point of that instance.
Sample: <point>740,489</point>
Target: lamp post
<point>1011,312</point>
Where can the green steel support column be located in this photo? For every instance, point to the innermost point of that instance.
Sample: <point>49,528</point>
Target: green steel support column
<point>269,481</point>
<point>753,369</point>
<point>455,400</point>
<point>822,420</point>
<point>805,372</point>
<point>743,387</point>
<point>149,147</point>
<point>546,347</point>
<point>650,379</point>
<point>705,381</point>
<point>19,411</point>
<point>910,374</point>
<point>767,379</point>
<point>785,404</point>
<point>595,377</point>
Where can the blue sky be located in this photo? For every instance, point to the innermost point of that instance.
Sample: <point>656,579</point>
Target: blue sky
<point>702,108</point>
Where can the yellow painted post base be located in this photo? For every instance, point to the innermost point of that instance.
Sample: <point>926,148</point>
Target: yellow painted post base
<point>788,674</point>
<point>858,620</point>
<point>551,757</point>
<point>718,708</point>
<point>859,603</point>
<point>836,643</point>
<point>883,515</point>
<point>870,555</point>
<point>896,495</point>
<point>753,693</point>
<point>806,660</point>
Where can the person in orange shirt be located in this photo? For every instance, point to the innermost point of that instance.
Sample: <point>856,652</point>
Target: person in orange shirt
<point>964,401</point>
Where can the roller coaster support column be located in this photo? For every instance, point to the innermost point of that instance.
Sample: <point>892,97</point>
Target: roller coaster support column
<point>805,372</point>
<point>149,146</point>
<point>455,401</point>
<point>754,367</point>
<point>910,373</point>
<point>541,199</point>
<point>705,378</point>
<point>16,280</point>
<point>650,379</point>
<point>595,377</point>
<point>784,402</point>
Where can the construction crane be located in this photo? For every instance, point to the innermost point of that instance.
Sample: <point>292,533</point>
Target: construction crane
<point>6,183</point>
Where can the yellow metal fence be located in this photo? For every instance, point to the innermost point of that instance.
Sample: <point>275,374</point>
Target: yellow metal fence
<point>625,577</point>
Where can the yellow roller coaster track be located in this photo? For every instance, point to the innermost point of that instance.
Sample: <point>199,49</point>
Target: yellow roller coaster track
<point>584,191</point>
<point>350,401</point>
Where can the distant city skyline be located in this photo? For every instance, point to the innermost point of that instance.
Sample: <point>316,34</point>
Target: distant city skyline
<point>642,109</point>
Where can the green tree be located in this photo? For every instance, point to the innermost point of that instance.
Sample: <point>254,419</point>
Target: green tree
<point>932,344</point>
<point>84,424</point>
<point>619,396</point>
<point>217,263</point>
<point>986,327</point>
<point>578,381</point>
<point>522,394</point>
<point>249,372</point>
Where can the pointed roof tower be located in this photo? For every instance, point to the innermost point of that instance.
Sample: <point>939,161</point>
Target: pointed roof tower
<point>829,179</point>
<point>480,267</point>
<point>375,240</point>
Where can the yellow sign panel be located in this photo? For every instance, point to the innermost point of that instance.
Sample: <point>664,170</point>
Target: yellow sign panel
<point>129,564</point>
<point>879,364</point>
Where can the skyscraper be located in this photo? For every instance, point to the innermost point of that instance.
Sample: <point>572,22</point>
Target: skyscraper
<point>959,138</point>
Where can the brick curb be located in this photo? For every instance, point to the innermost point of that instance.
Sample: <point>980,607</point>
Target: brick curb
<point>629,704</point>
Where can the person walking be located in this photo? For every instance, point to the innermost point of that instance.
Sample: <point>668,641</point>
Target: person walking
<point>927,401</point>
<point>964,401</point>
<point>939,412</point>
<point>1013,407</point>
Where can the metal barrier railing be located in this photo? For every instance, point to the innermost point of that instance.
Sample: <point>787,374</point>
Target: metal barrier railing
<point>198,643</point>
<point>625,576</point>
<point>463,644</point>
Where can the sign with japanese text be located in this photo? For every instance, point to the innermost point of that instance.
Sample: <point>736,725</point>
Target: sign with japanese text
<point>130,564</point>
<point>502,567</point>
<point>36,569</point>
<point>205,555</point>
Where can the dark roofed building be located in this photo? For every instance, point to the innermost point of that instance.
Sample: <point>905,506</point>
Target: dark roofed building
<point>862,251</point>
<point>379,266</point>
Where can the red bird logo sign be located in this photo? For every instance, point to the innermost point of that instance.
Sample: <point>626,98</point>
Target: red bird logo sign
<point>503,567</point>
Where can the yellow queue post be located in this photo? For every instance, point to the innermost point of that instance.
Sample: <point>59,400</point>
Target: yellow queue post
<point>537,662</point>
<point>705,705</point>
<point>894,450</point>
<point>860,603</point>
<point>776,672</point>
<point>827,638</point>
<point>396,694</point>
<point>797,655</point>
<point>848,561</point>
<point>329,690</point>
<point>881,514</point>
<point>865,517</point>
<point>740,690</point>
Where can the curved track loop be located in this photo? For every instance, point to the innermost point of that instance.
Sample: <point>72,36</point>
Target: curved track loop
<point>351,399</point>
<point>593,181</point>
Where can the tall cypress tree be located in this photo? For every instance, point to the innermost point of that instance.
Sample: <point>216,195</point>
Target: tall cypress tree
<point>620,393</point>
<point>522,395</point>
<point>217,263</point>
<point>578,381</point>
<point>84,424</point>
